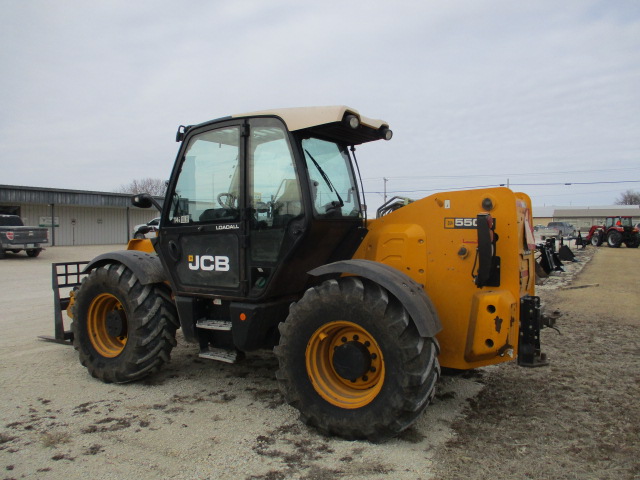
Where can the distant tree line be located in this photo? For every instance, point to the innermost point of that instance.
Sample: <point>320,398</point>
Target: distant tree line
<point>630,197</point>
<point>153,186</point>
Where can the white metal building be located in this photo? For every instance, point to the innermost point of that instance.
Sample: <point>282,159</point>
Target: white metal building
<point>76,217</point>
<point>583,217</point>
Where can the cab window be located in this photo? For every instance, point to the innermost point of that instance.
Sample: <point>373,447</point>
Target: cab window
<point>333,188</point>
<point>208,188</point>
<point>274,190</point>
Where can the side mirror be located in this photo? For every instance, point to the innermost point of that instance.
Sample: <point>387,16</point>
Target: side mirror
<point>144,200</point>
<point>141,201</point>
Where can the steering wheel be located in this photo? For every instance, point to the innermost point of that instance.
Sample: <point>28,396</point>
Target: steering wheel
<point>332,208</point>
<point>230,200</point>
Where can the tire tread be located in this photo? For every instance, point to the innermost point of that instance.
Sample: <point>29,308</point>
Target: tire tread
<point>418,356</point>
<point>152,323</point>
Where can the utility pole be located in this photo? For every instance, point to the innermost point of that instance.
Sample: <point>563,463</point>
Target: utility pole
<point>385,188</point>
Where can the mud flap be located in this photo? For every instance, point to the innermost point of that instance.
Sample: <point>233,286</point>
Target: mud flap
<point>531,322</point>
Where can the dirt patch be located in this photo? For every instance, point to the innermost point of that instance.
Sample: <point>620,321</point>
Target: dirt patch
<point>579,417</point>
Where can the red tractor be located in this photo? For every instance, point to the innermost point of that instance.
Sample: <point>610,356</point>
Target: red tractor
<point>616,231</point>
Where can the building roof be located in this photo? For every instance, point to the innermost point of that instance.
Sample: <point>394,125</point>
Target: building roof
<point>591,211</point>
<point>599,211</point>
<point>57,196</point>
<point>543,212</point>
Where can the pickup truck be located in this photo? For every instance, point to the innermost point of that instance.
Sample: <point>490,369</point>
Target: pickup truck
<point>15,237</point>
<point>557,229</point>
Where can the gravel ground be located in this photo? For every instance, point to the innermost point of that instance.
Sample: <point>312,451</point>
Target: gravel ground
<point>577,418</point>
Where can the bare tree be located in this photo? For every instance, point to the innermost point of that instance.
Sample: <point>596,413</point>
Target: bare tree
<point>629,197</point>
<point>153,186</point>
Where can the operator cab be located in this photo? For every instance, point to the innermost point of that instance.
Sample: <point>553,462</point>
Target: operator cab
<point>252,196</point>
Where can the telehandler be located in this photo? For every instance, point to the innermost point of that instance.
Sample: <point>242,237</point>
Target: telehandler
<point>264,242</point>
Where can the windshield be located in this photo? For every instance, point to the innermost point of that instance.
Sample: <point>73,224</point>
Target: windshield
<point>333,188</point>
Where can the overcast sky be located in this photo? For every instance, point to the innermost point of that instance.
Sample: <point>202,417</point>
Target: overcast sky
<point>476,92</point>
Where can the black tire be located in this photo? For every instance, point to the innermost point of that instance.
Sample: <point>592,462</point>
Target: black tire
<point>596,239</point>
<point>634,242</point>
<point>17,250</point>
<point>139,236</point>
<point>614,239</point>
<point>33,252</point>
<point>122,330</point>
<point>403,384</point>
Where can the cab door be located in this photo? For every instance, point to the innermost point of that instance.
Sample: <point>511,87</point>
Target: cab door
<point>275,200</point>
<point>202,238</point>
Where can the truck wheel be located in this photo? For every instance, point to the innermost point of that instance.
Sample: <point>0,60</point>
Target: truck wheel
<point>614,239</point>
<point>33,252</point>
<point>352,361</point>
<point>122,330</point>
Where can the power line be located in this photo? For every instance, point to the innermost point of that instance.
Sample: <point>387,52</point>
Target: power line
<point>511,184</point>
<point>480,175</point>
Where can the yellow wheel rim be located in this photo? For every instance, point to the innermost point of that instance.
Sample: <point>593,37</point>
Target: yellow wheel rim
<point>107,325</point>
<point>323,367</point>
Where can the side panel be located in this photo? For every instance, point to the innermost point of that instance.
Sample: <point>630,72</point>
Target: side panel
<point>211,261</point>
<point>434,241</point>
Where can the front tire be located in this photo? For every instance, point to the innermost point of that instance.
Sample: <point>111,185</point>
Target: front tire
<point>352,361</point>
<point>122,330</point>
<point>596,239</point>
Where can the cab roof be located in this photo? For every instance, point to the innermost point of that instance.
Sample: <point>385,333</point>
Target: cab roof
<point>325,122</point>
<point>306,117</point>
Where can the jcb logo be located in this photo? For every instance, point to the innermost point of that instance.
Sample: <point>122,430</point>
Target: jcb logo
<point>460,222</point>
<point>209,263</point>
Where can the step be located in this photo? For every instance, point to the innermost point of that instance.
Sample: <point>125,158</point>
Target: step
<point>220,354</point>
<point>223,325</point>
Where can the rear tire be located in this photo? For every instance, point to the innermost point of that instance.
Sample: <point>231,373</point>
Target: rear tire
<point>337,327</point>
<point>122,330</point>
<point>614,239</point>
<point>34,252</point>
<point>633,243</point>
